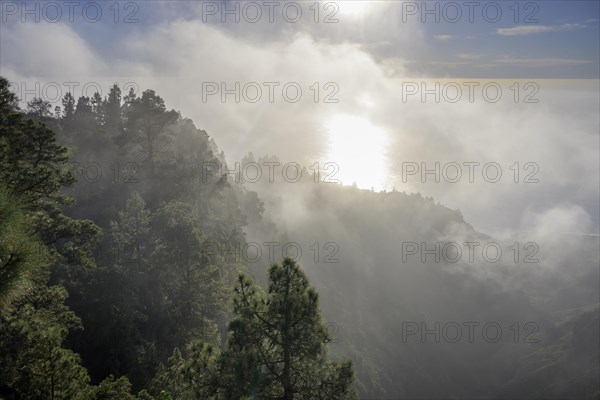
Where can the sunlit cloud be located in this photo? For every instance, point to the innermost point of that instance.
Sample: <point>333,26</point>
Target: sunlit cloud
<point>533,29</point>
<point>443,38</point>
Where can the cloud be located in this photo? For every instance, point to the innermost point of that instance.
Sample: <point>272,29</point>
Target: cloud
<point>563,219</point>
<point>43,49</point>
<point>526,30</point>
<point>176,57</point>
<point>541,62</point>
<point>449,64</point>
<point>444,38</point>
<point>469,56</point>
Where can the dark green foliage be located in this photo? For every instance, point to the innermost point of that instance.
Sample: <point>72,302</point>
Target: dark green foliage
<point>277,349</point>
<point>35,322</point>
<point>68,103</point>
<point>147,121</point>
<point>39,107</point>
<point>21,255</point>
<point>33,363</point>
<point>32,163</point>
<point>151,286</point>
<point>33,168</point>
<point>113,389</point>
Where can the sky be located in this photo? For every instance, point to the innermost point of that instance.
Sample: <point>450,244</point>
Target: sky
<point>385,87</point>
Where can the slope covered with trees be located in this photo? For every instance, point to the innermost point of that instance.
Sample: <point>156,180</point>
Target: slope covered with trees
<point>104,279</point>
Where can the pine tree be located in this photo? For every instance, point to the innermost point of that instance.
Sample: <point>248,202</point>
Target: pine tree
<point>68,103</point>
<point>112,109</point>
<point>278,344</point>
<point>39,107</point>
<point>191,292</point>
<point>147,119</point>
<point>131,233</point>
<point>98,109</point>
<point>84,111</point>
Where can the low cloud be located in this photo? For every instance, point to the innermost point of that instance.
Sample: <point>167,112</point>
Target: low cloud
<point>175,58</point>
<point>541,62</point>
<point>469,56</point>
<point>527,30</point>
<point>444,38</point>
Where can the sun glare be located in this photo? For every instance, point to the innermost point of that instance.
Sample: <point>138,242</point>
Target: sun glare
<point>359,149</point>
<point>354,8</point>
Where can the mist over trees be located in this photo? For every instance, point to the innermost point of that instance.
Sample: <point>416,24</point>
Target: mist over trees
<point>110,277</point>
<point>111,288</point>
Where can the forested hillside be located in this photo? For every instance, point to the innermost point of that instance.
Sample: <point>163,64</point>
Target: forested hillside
<point>122,276</point>
<point>107,285</point>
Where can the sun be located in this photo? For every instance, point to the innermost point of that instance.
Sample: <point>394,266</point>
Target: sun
<point>354,8</point>
<point>359,149</point>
